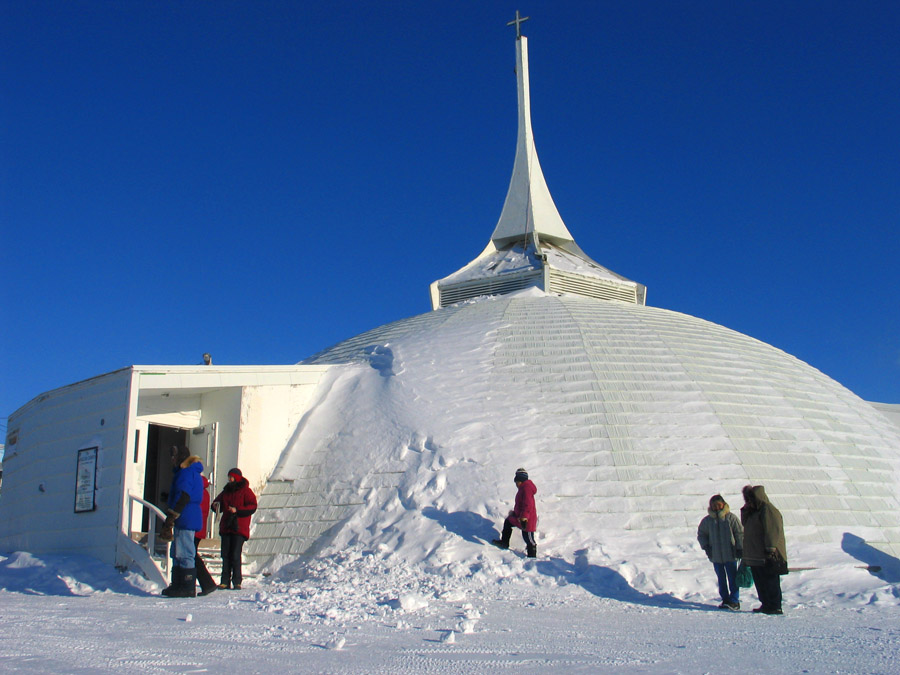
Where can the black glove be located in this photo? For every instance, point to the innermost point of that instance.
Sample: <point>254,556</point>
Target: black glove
<point>739,553</point>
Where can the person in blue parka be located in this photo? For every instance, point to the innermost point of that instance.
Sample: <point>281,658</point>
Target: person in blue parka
<point>184,517</point>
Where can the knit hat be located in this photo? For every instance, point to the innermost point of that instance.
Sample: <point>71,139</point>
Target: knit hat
<point>521,475</point>
<point>236,473</point>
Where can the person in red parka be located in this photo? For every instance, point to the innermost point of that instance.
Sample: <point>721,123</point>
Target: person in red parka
<point>236,503</point>
<point>207,583</point>
<point>524,515</point>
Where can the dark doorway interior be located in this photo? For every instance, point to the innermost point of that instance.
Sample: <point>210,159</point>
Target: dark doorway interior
<point>158,475</point>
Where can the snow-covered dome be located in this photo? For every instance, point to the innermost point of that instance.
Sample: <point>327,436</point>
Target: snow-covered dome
<point>628,418</point>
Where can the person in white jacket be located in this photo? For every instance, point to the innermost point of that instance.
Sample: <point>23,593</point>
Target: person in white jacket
<point>721,536</point>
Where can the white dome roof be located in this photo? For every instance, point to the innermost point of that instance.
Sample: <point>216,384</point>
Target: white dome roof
<point>628,418</point>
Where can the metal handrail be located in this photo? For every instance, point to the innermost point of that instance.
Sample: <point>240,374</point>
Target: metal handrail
<point>151,529</point>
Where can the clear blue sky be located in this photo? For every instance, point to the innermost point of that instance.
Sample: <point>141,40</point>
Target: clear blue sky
<point>263,179</point>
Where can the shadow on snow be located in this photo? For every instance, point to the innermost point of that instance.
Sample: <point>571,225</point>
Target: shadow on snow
<point>603,582</point>
<point>880,564</point>
<point>61,575</point>
<point>470,526</point>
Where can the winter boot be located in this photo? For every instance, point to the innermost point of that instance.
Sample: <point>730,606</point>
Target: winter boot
<point>172,589</point>
<point>207,583</point>
<point>208,589</point>
<point>530,544</point>
<point>183,583</point>
<point>503,541</point>
<point>188,583</point>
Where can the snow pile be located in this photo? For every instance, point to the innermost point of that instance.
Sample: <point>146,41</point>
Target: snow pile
<point>357,585</point>
<point>347,588</point>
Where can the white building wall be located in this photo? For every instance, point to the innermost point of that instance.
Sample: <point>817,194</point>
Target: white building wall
<point>135,472</point>
<point>269,418</point>
<point>257,408</point>
<point>222,407</point>
<point>37,506</point>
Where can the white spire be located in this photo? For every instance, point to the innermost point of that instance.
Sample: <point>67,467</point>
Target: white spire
<point>529,209</point>
<point>531,246</point>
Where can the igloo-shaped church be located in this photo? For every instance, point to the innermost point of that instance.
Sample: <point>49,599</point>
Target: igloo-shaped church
<point>405,438</point>
<point>627,416</point>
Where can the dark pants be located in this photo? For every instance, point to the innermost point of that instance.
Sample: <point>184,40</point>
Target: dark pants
<point>768,586</point>
<point>203,575</point>
<point>232,545</point>
<point>728,586</point>
<point>530,545</point>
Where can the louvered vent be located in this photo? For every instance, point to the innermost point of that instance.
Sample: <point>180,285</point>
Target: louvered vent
<point>593,287</point>
<point>499,285</point>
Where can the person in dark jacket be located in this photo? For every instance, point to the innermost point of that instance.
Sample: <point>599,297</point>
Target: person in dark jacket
<point>183,519</point>
<point>764,547</point>
<point>204,578</point>
<point>722,538</point>
<point>524,515</point>
<point>236,503</point>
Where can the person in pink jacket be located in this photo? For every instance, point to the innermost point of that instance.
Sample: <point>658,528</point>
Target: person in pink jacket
<point>524,515</point>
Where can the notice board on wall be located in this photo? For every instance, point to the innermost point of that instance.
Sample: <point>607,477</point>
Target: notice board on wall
<point>86,480</point>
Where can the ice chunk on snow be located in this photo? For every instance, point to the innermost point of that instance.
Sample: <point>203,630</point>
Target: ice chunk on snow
<point>409,602</point>
<point>336,642</point>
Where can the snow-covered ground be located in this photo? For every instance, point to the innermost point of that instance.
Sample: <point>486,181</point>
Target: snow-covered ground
<point>359,611</point>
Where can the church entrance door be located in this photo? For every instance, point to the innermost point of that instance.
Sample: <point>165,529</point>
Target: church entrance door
<point>158,470</point>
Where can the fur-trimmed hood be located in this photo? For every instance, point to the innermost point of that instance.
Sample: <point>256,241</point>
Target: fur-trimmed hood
<point>719,514</point>
<point>193,459</point>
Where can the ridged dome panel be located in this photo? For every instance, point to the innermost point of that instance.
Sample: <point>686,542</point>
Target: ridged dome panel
<point>631,416</point>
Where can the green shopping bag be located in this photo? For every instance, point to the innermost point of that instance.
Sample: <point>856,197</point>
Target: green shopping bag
<point>744,575</point>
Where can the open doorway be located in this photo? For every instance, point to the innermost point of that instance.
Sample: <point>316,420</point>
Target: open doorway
<point>158,470</point>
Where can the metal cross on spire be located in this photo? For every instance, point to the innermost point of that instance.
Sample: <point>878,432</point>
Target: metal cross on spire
<point>518,21</point>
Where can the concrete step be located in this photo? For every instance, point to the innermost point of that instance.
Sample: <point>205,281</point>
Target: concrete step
<point>212,557</point>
